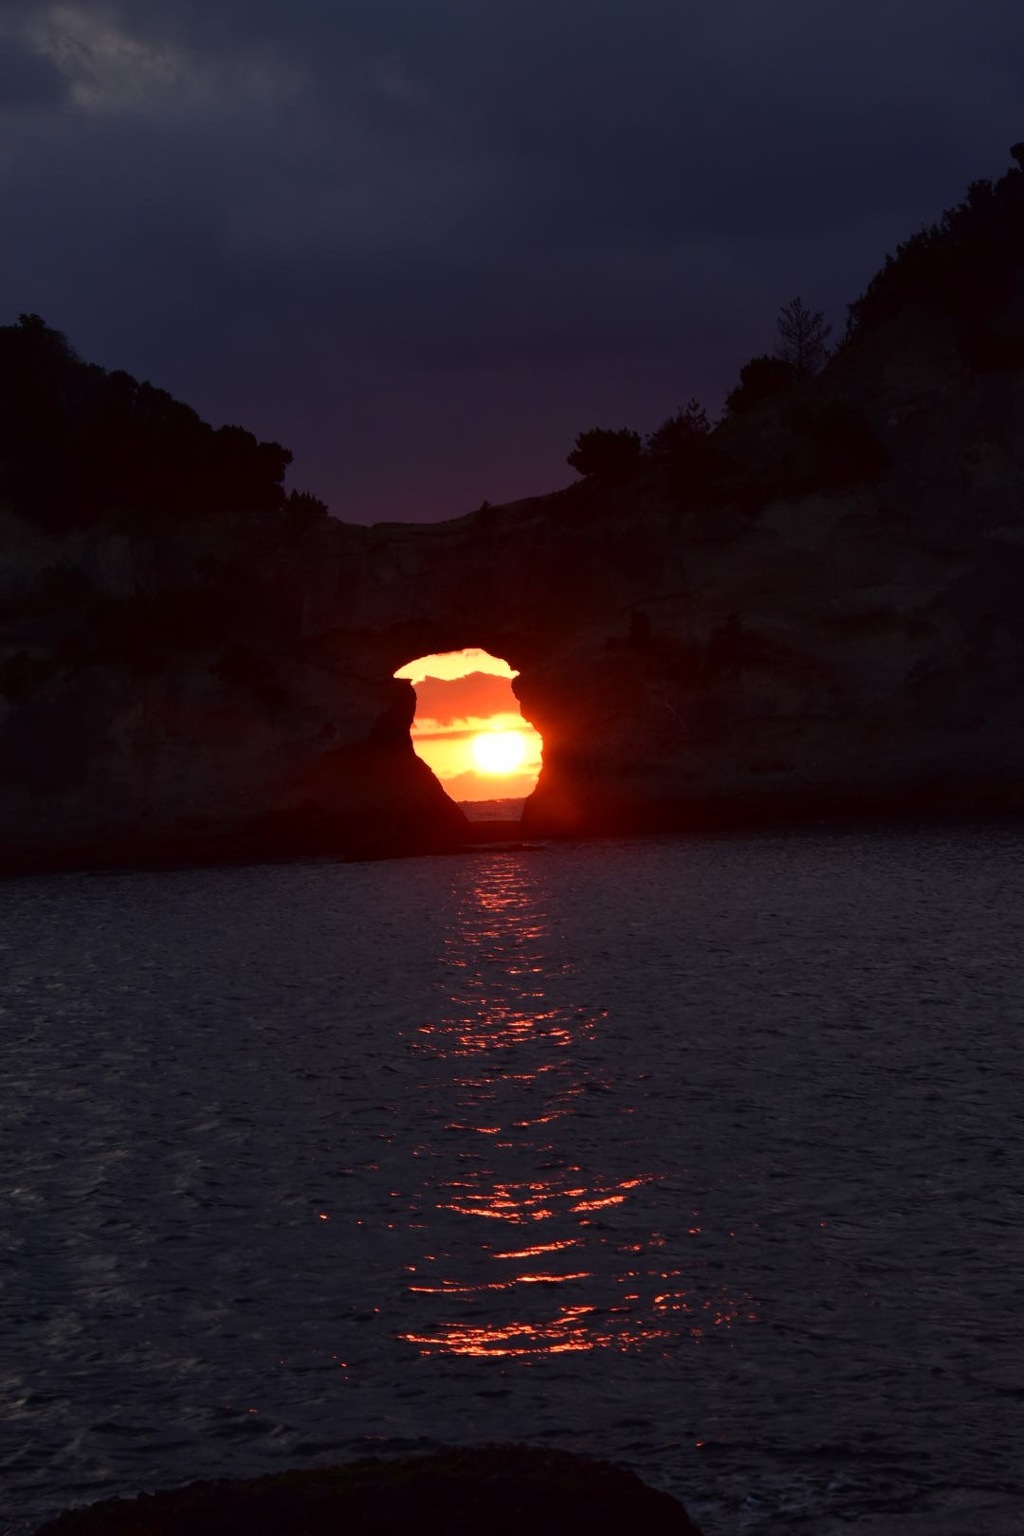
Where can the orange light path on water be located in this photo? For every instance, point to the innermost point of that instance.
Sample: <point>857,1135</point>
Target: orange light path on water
<point>627,1324</point>
<point>566,1258</point>
<point>585,1327</point>
<point>540,1248</point>
<point>560,1336</point>
<point>450,1288</point>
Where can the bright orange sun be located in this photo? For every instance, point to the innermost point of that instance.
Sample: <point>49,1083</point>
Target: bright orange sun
<point>498,752</point>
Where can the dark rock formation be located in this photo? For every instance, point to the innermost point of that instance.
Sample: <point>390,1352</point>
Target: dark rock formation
<point>500,1490</point>
<point>823,620</point>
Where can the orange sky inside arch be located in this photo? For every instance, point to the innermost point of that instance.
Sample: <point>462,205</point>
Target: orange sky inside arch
<point>461,695</point>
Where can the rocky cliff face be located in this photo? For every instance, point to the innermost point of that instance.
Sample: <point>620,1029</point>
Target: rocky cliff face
<point>225,687</point>
<point>841,653</point>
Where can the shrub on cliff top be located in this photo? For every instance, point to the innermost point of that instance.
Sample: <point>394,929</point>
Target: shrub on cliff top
<point>684,446</point>
<point>761,378</point>
<point>679,432</point>
<point>80,445</point>
<point>609,457</point>
<point>964,265</point>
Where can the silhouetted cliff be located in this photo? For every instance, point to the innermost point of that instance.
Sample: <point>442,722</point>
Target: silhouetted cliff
<point>815,613</point>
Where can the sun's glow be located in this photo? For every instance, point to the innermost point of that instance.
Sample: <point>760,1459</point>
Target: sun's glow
<point>499,752</point>
<point>468,727</point>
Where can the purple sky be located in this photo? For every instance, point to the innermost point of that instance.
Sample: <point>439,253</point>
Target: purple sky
<point>426,244</point>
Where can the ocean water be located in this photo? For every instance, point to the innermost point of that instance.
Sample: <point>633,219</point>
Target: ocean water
<point>704,1156</point>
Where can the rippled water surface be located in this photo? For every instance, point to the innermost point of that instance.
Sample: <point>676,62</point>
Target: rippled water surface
<point>705,1156</point>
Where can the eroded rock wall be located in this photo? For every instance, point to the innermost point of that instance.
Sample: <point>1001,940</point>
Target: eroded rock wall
<point>226,688</point>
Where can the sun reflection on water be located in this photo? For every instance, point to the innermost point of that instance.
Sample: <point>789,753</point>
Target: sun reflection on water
<point>513,1094</point>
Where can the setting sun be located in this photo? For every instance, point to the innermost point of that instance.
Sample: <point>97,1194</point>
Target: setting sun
<point>469,729</point>
<point>498,752</point>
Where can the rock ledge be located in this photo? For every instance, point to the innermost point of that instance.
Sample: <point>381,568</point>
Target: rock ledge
<point>500,1490</point>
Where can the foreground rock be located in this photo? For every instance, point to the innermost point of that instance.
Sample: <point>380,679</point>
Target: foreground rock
<point>500,1490</point>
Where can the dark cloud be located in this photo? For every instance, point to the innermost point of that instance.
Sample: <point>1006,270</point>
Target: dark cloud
<point>425,245</point>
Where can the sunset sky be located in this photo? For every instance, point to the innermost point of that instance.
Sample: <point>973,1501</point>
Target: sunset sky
<point>425,245</point>
<point>459,697</point>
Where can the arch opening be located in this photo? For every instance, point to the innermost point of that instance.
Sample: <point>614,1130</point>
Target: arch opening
<point>469,730</point>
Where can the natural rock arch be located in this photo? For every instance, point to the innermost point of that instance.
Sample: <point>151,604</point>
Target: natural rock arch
<point>224,689</point>
<point>474,686</point>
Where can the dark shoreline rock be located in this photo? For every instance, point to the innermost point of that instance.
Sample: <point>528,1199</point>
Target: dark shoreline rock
<point>489,1490</point>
